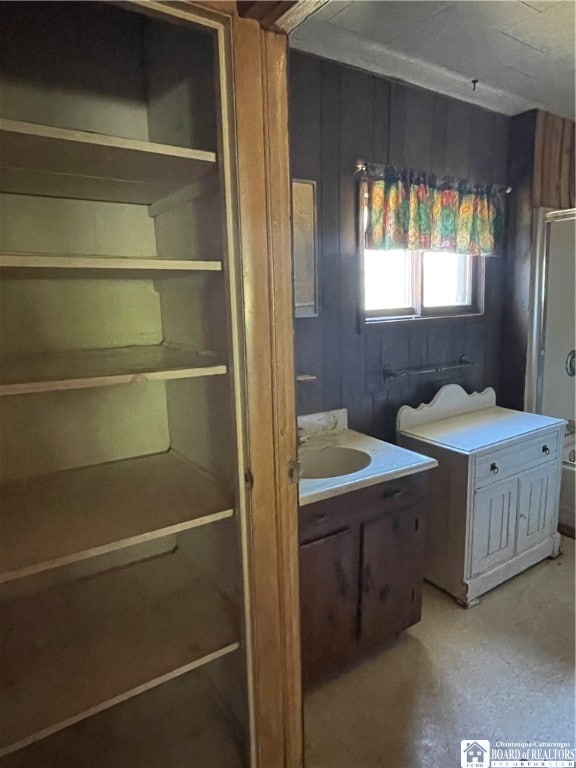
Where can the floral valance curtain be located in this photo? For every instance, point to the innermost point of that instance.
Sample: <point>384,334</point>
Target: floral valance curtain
<point>415,212</point>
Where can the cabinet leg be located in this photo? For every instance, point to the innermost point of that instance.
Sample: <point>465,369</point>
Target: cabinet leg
<point>556,548</point>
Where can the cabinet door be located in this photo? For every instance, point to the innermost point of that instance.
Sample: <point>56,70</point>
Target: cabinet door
<point>537,506</point>
<point>392,574</point>
<point>493,525</point>
<point>328,603</point>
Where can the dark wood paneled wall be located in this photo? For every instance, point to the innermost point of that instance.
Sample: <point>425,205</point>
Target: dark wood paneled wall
<point>337,115</point>
<point>553,178</point>
<point>516,326</point>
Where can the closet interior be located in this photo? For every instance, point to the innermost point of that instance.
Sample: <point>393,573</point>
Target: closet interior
<point>122,514</point>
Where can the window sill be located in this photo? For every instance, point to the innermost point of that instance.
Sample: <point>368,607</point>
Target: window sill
<point>385,320</point>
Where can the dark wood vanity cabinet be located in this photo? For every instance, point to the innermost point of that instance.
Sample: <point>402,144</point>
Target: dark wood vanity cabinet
<point>391,575</point>
<point>329,600</point>
<point>361,571</point>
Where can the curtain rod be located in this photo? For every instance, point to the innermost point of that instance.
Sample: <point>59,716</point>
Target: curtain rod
<point>362,168</point>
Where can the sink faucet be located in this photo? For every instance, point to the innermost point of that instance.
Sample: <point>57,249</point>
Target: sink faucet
<point>302,438</point>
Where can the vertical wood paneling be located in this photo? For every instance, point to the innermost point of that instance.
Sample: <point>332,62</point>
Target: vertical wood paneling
<point>572,169</point>
<point>356,119</point>
<point>553,176</point>
<point>482,149</point>
<point>358,115</point>
<point>356,140</point>
<point>419,354</point>
<point>381,106</point>
<point>475,341</point>
<point>551,160</point>
<point>397,123</point>
<point>419,113</point>
<point>499,141</point>
<point>565,153</point>
<point>523,130</point>
<point>537,151</point>
<point>305,106</point>
<point>305,112</point>
<point>458,144</point>
<point>373,363</point>
<point>438,131</point>
<point>494,305</point>
<point>329,227</point>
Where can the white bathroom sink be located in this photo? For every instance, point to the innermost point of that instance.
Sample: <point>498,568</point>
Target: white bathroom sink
<point>331,461</point>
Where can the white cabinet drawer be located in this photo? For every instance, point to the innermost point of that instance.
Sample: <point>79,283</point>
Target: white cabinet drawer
<point>509,460</point>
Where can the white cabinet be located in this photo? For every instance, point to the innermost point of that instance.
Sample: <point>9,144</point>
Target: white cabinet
<point>493,507</point>
<point>493,526</point>
<point>538,506</point>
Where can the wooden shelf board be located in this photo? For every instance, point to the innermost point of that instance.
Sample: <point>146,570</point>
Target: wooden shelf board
<point>51,371</point>
<point>88,261</point>
<point>176,724</point>
<point>72,651</point>
<point>68,516</point>
<point>57,162</point>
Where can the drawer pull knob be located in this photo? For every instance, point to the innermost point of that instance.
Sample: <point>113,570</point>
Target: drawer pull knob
<point>545,449</point>
<point>494,468</point>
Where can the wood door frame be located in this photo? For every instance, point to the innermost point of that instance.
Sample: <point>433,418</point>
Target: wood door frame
<point>260,77</point>
<point>256,141</point>
<point>280,16</point>
<point>259,73</point>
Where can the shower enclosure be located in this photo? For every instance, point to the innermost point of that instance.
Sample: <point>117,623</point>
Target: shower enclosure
<point>550,380</point>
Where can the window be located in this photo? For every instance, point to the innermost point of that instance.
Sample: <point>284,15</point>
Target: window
<point>421,284</point>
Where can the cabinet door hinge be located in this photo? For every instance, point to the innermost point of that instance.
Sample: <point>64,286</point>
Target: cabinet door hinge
<point>249,479</point>
<point>294,470</point>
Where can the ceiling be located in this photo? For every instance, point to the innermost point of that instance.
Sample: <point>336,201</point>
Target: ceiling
<point>520,51</point>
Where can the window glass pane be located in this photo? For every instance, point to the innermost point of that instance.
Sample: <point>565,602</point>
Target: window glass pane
<point>387,280</point>
<point>447,279</point>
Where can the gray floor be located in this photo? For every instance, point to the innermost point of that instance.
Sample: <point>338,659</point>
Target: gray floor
<point>503,670</point>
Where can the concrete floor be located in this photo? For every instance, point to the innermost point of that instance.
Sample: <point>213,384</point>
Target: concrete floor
<point>503,670</point>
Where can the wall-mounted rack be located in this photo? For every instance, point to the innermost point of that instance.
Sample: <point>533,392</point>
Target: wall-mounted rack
<point>388,373</point>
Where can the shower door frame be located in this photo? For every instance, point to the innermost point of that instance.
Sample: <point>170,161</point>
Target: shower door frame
<point>542,220</point>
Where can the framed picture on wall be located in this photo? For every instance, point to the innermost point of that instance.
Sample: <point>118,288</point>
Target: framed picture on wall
<point>305,248</point>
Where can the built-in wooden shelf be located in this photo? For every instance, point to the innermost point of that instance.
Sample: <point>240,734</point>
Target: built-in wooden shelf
<point>88,261</point>
<point>74,650</point>
<point>58,162</point>
<point>176,724</point>
<point>52,371</point>
<point>68,516</point>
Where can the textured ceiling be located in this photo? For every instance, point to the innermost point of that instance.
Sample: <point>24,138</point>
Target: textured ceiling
<point>520,51</point>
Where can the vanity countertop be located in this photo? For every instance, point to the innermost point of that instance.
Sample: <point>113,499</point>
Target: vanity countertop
<point>388,463</point>
<point>470,432</point>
